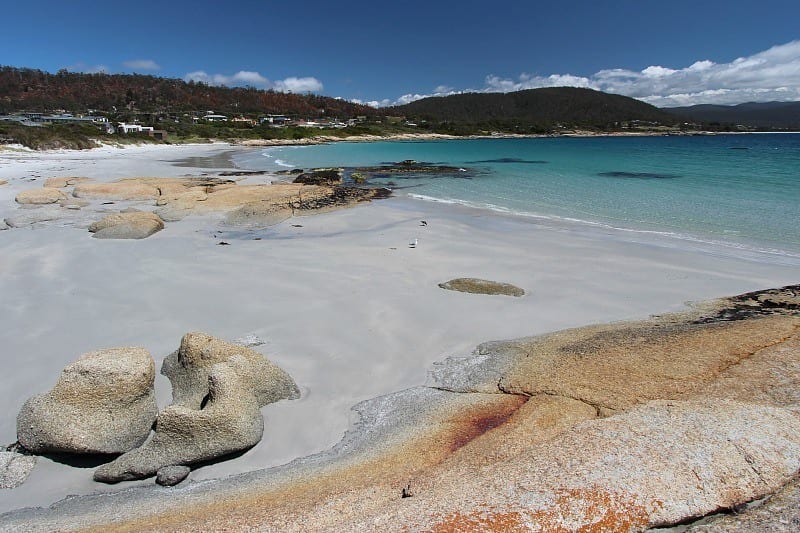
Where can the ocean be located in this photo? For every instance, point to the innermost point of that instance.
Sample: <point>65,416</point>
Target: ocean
<point>737,191</point>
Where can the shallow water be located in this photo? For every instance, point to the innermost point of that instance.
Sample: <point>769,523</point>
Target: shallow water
<point>739,190</point>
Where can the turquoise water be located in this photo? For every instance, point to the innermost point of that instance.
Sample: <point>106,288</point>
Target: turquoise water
<point>740,190</point>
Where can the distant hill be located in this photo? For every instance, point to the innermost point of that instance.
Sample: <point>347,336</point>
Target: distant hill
<point>546,107</point>
<point>769,115</point>
<point>23,89</point>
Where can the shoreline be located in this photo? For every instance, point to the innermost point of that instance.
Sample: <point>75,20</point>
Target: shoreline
<point>734,245</point>
<point>325,139</point>
<point>285,288</point>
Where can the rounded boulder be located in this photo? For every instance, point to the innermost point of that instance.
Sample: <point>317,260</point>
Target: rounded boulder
<point>103,403</point>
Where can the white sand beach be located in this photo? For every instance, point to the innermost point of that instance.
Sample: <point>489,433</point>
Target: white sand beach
<point>340,300</point>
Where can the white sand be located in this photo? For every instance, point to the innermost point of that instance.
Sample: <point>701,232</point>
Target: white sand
<point>343,303</point>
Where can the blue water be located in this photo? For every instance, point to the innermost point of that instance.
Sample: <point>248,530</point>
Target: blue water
<point>740,190</point>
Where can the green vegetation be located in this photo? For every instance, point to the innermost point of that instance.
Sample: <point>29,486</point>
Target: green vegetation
<point>174,106</point>
<point>533,111</point>
<point>133,94</point>
<point>69,136</point>
<point>780,116</point>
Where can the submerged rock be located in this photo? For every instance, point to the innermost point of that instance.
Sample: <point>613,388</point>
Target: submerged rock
<point>28,217</point>
<point>130,225</point>
<point>482,286</point>
<point>15,468</point>
<point>103,403</point>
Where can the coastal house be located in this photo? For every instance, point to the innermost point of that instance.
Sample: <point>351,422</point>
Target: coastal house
<point>276,120</point>
<point>243,120</point>
<point>40,119</point>
<point>19,119</point>
<point>123,128</point>
<point>68,118</point>
<point>133,128</point>
<point>210,116</point>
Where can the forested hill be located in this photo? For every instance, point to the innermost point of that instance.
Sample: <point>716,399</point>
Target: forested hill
<point>23,89</point>
<point>547,106</point>
<point>769,115</point>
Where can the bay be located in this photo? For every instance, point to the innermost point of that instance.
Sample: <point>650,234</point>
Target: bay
<point>741,191</point>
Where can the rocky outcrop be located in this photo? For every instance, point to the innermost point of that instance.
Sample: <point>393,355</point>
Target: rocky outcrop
<point>189,367</point>
<point>103,403</point>
<point>227,422</point>
<point>3,182</point>
<point>40,197</point>
<point>482,286</point>
<point>659,464</point>
<point>15,468</point>
<point>129,225</point>
<point>595,445</point>
<point>263,205</point>
<point>218,389</point>
<point>74,203</point>
<point>327,178</point>
<point>175,198</point>
<point>340,197</point>
<point>120,190</point>
<point>619,427</point>
<point>61,183</point>
<point>777,513</point>
<point>260,214</point>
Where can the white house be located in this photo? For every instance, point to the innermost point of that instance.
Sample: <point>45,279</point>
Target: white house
<point>133,128</point>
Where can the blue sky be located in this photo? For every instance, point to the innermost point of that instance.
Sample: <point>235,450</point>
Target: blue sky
<point>667,53</point>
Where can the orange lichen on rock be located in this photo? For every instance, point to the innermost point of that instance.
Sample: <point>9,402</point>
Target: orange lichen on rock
<point>704,418</point>
<point>569,510</point>
<point>481,521</point>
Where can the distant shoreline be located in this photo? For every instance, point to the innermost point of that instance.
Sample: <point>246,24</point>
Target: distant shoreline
<point>325,139</point>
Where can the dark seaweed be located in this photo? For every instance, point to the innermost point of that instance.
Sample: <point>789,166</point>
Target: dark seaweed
<point>783,301</point>
<point>638,175</point>
<point>510,160</point>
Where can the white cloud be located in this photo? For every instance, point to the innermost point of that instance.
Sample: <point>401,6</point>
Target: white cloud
<point>141,64</point>
<point>255,79</point>
<point>298,85</point>
<point>243,77</point>
<point>441,90</point>
<point>372,103</point>
<point>773,74</point>
<point>246,77</point>
<point>408,98</point>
